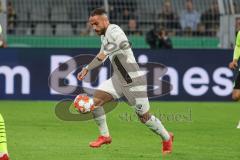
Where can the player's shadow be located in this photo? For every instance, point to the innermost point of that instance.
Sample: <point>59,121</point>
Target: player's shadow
<point>65,111</point>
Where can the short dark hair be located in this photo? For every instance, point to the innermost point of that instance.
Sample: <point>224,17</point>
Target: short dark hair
<point>98,11</point>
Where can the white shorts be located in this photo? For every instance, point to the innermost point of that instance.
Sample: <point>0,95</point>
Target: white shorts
<point>107,86</point>
<point>141,105</point>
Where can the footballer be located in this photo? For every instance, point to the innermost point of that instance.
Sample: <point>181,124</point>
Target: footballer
<point>3,140</point>
<point>234,65</point>
<point>125,81</point>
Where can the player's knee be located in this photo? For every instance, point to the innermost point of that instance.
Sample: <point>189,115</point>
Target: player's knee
<point>144,117</point>
<point>98,101</point>
<point>236,96</point>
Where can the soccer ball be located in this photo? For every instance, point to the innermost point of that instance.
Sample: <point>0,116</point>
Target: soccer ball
<point>84,103</point>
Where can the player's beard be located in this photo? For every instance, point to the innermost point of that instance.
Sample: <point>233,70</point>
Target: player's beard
<point>100,32</point>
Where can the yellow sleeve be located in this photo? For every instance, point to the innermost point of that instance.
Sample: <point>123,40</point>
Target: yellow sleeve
<point>237,47</point>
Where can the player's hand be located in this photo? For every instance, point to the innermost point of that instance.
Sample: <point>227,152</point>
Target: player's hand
<point>233,64</point>
<point>82,74</point>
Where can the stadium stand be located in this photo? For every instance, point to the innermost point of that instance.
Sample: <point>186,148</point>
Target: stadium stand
<point>35,19</point>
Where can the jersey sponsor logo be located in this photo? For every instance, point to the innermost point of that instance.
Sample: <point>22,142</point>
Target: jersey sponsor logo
<point>112,47</point>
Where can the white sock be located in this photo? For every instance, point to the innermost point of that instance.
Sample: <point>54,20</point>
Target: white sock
<point>1,154</point>
<point>156,126</point>
<point>100,119</point>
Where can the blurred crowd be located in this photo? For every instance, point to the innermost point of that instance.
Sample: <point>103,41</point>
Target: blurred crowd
<point>125,13</point>
<point>188,23</point>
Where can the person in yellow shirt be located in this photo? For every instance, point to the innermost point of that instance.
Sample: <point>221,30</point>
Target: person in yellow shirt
<point>3,140</point>
<point>234,65</point>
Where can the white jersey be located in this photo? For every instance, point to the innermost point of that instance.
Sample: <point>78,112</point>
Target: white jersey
<point>127,80</point>
<point>114,35</point>
<point>123,61</point>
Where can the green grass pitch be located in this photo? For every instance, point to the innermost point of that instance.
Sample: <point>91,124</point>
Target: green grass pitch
<point>202,131</point>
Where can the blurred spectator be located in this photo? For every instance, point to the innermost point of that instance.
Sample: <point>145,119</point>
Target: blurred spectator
<point>93,4</point>
<point>88,31</point>
<point>236,8</point>
<point>201,30</point>
<point>2,14</point>
<point>152,37</point>
<point>237,25</point>
<point>167,17</point>
<point>11,18</point>
<point>127,5</point>
<point>211,18</point>
<point>158,39</point>
<point>133,27</point>
<point>131,5</point>
<point>113,14</point>
<point>189,17</point>
<point>122,10</point>
<point>187,32</point>
<point>3,44</point>
<point>1,7</point>
<point>164,42</point>
<point>126,15</point>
